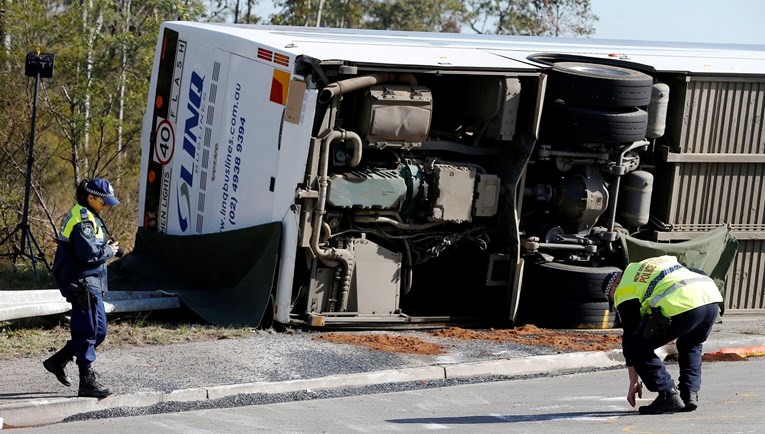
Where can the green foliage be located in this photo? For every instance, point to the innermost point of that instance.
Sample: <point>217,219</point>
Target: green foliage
<point>89,113</point>
<point>417,15</point>
<point>532,17</point>
<point>40,337</point>
<point>343,13</point>
<point>503,17</point>
<point>294,13</point>
<point>233,11</point>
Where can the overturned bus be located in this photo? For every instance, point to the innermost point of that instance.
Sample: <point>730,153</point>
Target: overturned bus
<point>371,178</point>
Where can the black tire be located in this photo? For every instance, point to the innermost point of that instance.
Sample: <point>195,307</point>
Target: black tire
<point>557,295</point>
<point>575,314</point>
<point>565,281</point>
<point>563,122</point>
<point>590,84</point>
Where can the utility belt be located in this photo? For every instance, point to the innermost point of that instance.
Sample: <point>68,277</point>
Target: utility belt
<point>82,293</point>
<point>654,324</point>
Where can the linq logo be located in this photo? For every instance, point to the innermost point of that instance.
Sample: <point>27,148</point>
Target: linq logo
<point>196,86</point>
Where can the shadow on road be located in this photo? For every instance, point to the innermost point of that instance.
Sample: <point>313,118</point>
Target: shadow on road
<point>485,419</point>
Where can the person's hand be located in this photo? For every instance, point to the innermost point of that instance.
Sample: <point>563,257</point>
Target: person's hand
<point>635,389</point>
<point>636,386</point>
<point>116,249</point>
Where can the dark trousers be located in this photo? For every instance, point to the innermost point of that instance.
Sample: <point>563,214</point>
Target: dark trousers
<point>88,331</point>
<point>690,329</point>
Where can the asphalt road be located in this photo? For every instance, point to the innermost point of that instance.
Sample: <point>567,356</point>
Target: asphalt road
<point>731,401</point>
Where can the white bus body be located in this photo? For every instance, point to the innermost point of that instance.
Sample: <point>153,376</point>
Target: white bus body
<point>418,177</point>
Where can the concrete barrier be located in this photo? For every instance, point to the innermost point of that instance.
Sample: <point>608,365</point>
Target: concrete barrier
<point>43,302</point>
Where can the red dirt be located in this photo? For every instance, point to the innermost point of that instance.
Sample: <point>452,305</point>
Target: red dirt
<point>561,340</point>
<point>713,357</point>
<point>722,357</point>
<point>396,344</point>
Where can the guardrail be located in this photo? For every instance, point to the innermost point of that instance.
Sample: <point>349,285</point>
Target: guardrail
<point>42,302</point>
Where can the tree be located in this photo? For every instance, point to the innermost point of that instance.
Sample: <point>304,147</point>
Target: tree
<point>89,114</point>
<point>563,18</point>
<point>341,13</point>
<point>503,17</point>
<point>293,13</point>
<point>236,11</point>
<point>532,17</point>
<point>416,15</point>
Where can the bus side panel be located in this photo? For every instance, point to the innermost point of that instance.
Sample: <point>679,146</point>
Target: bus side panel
<point>248,153</point>
<point>211,158</point>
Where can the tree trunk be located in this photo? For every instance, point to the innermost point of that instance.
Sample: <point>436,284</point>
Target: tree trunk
<point>4,36</point>
<point>92,32</point>
<point>126,13</point>
<point>318,14</point>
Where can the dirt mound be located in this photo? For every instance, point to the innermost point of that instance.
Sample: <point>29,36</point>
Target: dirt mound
<point>722,357</point>
<point>561,340</point>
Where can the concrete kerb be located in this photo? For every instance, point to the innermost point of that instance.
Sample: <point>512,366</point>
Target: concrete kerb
<point>536,364</point>
<point>45,411</point>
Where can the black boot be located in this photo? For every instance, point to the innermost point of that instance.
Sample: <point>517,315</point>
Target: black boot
<point>690,399</point>
<point>668,401</point>
<point>56,365</point>
<point>90,387</point>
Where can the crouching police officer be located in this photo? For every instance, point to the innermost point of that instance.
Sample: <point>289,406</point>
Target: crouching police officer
<point>658,301</point>
<point>84,247</point>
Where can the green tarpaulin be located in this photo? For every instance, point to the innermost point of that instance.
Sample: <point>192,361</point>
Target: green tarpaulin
<point>226,278</point>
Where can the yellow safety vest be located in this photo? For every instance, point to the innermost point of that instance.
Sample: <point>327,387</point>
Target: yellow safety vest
<point>662,282</point>
<point>77,215</point>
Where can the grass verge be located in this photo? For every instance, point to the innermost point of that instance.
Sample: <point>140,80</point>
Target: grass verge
<point>39,337</point>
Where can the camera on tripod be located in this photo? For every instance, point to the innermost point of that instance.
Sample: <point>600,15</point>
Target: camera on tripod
<point>39,63</point>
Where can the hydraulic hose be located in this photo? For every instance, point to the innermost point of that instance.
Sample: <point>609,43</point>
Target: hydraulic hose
<point>331,256</point>
<point>341,87</point>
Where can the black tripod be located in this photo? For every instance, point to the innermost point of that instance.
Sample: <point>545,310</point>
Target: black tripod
<point>37,66</point>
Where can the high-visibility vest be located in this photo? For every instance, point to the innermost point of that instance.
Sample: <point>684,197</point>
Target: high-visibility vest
<point>663,283</point>
<point>77,215</point>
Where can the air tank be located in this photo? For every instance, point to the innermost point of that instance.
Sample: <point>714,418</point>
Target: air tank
<point>635,199</point>
<point>657,110</point>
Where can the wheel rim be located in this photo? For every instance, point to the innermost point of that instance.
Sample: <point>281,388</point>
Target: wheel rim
<point>600,71</point>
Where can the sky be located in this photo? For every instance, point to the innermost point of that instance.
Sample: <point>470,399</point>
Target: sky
<point>720,21</point>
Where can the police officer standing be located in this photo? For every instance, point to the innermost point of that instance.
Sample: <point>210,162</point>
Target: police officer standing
<point>658,301</point>
<point>84,247</point>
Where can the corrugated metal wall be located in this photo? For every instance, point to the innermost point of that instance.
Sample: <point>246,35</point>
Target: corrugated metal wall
<point>715,193</point>
<point>717,160</point>
<point>724,116</point>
